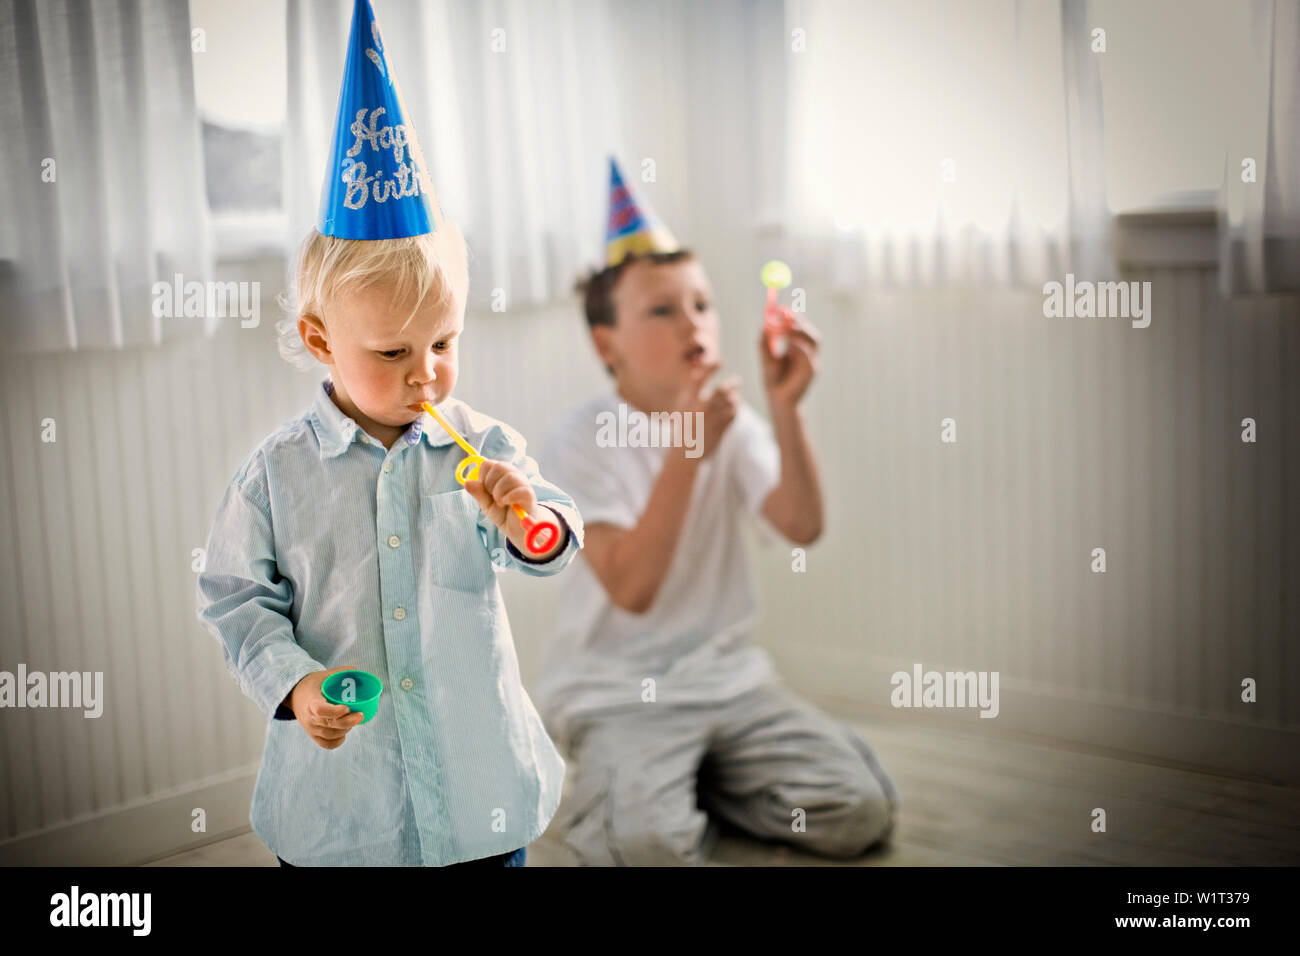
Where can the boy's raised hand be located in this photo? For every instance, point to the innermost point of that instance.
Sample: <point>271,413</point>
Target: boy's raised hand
<point>325,723</point>
<point>719,407</point>
<point>788,376</point>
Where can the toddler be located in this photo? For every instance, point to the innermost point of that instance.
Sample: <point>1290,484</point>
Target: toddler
<point>345,542</point>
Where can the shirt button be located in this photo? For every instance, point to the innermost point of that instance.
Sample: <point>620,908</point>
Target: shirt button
<point>388,466</point>
<point>407,683</point>
<point>399,613</point>
<point>394,540</point>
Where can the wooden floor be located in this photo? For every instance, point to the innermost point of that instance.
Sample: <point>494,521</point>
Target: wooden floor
<point>979,800</point>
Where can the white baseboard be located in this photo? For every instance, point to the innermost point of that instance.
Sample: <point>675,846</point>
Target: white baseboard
<point>146,830</point>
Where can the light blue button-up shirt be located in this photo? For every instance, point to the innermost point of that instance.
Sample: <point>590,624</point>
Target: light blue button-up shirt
<point>329,550</point>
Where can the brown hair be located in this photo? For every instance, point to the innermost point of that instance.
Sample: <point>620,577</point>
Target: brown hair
<point>597,289</point>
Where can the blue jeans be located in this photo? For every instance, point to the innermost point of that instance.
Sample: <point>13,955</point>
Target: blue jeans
<point>516,858</point>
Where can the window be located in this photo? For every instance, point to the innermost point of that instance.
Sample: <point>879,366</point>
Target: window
<point>239,85</point>
<point>1178,89</point>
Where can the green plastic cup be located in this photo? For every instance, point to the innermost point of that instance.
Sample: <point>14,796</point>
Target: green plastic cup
<point>363,693</point>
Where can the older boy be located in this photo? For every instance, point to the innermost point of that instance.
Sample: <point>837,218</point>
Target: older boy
<point>651,682</point>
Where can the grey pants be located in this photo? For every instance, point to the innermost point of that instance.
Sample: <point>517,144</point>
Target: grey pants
<point>646,781</point>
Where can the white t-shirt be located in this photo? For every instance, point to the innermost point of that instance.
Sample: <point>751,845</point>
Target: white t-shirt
<point>695,639</point>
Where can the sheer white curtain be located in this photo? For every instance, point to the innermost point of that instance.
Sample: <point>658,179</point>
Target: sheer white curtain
<point>932,142</point>
<point>1259,220</point>
<point>101,152</point>
<point>514,104</point>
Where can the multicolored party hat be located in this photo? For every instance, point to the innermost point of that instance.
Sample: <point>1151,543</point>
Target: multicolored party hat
<point>377,183</point>
<point>633,226</point>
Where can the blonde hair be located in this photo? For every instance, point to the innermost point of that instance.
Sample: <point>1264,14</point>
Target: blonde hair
<point>418,267</point>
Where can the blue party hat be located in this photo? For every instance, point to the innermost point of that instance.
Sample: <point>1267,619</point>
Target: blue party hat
<point>377,183</point>
<point>633,226</point>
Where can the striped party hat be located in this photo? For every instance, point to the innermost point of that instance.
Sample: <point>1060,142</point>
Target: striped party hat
<point>633,226</point>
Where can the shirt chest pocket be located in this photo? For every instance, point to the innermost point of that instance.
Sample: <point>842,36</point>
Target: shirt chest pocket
<point>454,553</point>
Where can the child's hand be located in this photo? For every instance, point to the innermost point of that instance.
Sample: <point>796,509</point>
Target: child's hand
<point>719,408</point>
<point>325,723</point>
<point>787,377</point>
<point>499,486</point>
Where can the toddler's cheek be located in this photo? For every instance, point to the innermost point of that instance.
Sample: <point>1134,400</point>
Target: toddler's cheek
<point>448,373</point>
